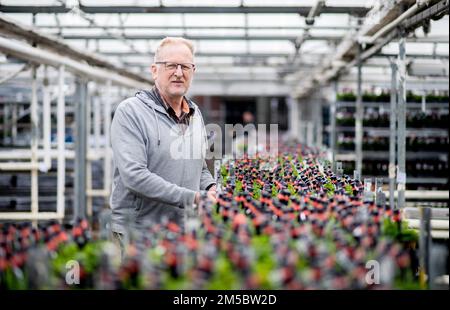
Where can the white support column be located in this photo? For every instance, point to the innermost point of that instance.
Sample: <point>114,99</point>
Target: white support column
<point>392,134</point>
<point>89,128</point>
<point>34,144</point>
<point>80,149</point>
<point>47,164</point>
<point>61,133</point>
<point>401,125</point>
<point>332,132</point>
<point>90,123</point>
<point>107,169</point>
<point>359,111</point>
<point>89,198</point>
<point>97,120</point>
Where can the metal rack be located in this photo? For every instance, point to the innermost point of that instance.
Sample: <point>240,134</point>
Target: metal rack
<point>40,160</point>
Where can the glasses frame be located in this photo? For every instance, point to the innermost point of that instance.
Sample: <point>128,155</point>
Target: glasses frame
<point>181,65</point>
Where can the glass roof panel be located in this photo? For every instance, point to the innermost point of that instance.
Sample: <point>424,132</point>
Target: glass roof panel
<point>219,46</point>
<point>271,47</point>
<point>216,20</point>
<point>275,20</point>
<point>249,58</point>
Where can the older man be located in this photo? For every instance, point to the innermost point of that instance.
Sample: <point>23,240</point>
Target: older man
<point>151,180</point>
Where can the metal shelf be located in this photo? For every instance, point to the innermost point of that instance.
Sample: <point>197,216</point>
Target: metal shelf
<point>423,195</point>
<point>413,105</point>
<point>416,180</point>
<point>351,156</point>
<point>384,131</point>
<point>436,213</point>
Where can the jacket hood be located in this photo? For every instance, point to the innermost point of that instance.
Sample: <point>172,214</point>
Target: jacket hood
<point>151,99</point>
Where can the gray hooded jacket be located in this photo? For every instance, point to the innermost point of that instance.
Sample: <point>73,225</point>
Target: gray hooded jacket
<point>158,166</point>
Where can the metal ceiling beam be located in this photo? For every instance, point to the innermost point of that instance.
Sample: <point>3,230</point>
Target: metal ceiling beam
<point>281,69</point>
<point>34,9</point>
<point>14,29</point>
<point>383,77</point>
<point>406,27</point>
<point>359,11</point>
<point>416,56</point>
<point>330,71</point>
<point>302,10</point>
<point>37,55</point>
<point>434,39</point>
<point>203,27</point>
<point>225,65</point>
<point>213,54</point>
<point>146,64</point>
<point>201,37</point>
<point>218,78</point>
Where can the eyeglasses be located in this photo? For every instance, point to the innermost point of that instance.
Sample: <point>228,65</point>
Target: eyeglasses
<point>172,66</point>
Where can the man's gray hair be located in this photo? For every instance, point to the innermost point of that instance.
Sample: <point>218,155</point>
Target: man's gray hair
<point>173,40</point>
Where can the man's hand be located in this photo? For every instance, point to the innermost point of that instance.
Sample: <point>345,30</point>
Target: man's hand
<point>211,194</point>
<point>213,189</point>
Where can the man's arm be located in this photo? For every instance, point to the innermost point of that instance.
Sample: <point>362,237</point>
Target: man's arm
<point>130,156</point>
